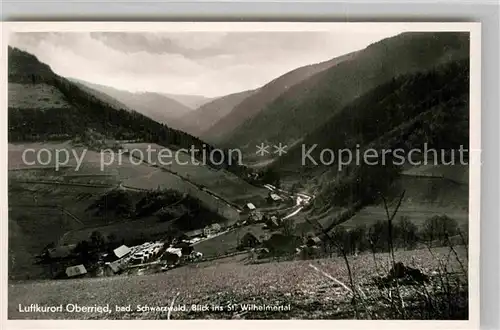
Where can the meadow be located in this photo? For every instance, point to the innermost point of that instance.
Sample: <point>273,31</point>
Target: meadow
<point>311,294</point>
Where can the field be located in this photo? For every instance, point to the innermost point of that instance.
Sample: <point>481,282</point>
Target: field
<point>227,243</point>
<point>416,214</point>
<point>35,96</point>
<point>129,230</point>
<point>40,214</point>
<point>221,182</point>
<point>143,176</point>
<point>310,294</point>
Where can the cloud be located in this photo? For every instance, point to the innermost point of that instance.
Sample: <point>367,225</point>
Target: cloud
<point>198,63</point>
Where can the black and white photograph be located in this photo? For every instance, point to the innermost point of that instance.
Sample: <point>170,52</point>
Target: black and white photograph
<point>242,171</point>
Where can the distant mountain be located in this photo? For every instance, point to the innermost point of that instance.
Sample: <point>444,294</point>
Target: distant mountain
<point>156,106</point>
<point>44,106</point>
<point>305,106</point>
<point>102,96</point>
<point>200,120</point>
<point>265,95</point>
<point>190,101</point>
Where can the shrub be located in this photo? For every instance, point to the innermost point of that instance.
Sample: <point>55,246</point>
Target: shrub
<point>279,244</point>
<point>439,228</point>
<point>408,233</point>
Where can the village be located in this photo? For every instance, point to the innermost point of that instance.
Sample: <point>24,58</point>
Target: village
<point>163,255</point>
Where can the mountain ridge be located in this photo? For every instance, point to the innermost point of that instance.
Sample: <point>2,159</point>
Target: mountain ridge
<point>255,103</point>
<point>157,106</point>
<point>202,119</point>
<point>295,113</point>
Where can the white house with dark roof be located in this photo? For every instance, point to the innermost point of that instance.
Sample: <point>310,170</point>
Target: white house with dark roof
<point>76,270</point>
<point>250,206</point>
<point>121,251</point>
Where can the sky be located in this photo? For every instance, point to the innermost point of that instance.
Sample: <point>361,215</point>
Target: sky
<point>193,63</point>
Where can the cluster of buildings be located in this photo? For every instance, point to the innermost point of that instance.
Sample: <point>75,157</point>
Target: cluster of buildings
<point>124,256</point>
<point>146,252</point>
<point>251,213</point>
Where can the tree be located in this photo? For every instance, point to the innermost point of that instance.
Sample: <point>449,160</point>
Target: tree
<point>358,239</point>
<point>439,228</point>
<point>279,244</point>
<point>288,227</point>
<point>97,240</point>
<point>112,238</point>
<point>248,241</point>
<point>271,176</point>
<point>85,254</point>
<point>407,230</point>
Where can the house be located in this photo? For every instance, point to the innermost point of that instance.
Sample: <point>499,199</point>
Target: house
<point>114,267</point>
<point>121,251</point>
<point>77,270</point>
<point>195,255</point>
<point>274,221</point>
<point>256,216</point>
<point>177,251</point>
<point>136,259</point>
<point>250,207</point>
<point>274,198</point>
<point>212,229</point>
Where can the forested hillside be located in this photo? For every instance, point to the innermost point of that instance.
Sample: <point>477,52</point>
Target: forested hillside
<point>258,101</point>
<point>202,119</point>
<point>295,113</point>
<point>427,107</point>
<point>157,106</point>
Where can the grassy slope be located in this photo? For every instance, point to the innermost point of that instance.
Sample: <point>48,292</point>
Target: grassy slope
<point>221,182</point>
<point>40,226</point>
<point>39,96</point>
<point>311,295</point>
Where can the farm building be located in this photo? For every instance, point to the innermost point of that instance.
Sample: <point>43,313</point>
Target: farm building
<point>212,229</point>
<point>250,206</point>
<point>114,267</point>
<point>177,251</point>
<point>256,216</point>
<point>274,221</point>
<point>274,198</point>
<point>121,251</point>
<point>76,271</point>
